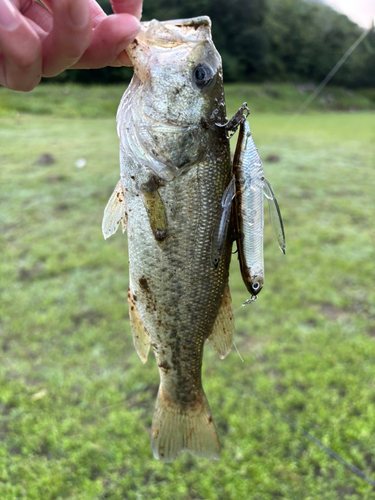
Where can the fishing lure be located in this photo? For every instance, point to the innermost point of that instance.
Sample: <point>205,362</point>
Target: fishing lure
<point>219,234</point>
<point>251,186</point>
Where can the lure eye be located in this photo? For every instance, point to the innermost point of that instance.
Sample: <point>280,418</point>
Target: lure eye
<point>255,286</point>
<point>203,75</point>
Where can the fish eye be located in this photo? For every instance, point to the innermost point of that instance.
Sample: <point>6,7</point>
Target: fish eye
<point>255,286</point>
<point>203,75</point>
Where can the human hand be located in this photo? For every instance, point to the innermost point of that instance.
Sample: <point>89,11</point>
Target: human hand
<point>38,41</point>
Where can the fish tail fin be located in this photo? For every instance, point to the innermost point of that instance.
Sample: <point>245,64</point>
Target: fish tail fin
<point>175,429</point>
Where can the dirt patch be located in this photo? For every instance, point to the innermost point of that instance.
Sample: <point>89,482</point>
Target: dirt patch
<point>92,317</point>
<point>272,158</point>
<point>143,283</point>
<point>332,312</point>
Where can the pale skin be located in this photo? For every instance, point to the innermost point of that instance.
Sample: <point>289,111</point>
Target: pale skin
<point>43,40</point>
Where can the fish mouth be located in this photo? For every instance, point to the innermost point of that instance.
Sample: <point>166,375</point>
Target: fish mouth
<point>194,22</point>
<point>175,31</point>
<point>165,35</point>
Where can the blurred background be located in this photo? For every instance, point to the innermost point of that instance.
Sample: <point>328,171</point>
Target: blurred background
<point>76,403</point>
<point>273,40</point>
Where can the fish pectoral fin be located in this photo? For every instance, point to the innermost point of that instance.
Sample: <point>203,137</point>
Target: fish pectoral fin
<point>275,215</point>
<point>140,336</point>
<point>155,208</point>
<point>176,429</point>
<point>114,212</point>
<point>221,337</point>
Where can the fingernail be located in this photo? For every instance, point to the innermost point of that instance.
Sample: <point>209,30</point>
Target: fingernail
<point>79,11</point>
<point>9,16</point>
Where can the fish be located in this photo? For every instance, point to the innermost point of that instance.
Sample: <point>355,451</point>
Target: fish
<point>176,173</point>
<point>251,187</point>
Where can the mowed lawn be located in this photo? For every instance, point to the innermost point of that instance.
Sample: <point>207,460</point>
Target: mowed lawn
<point>76,403</point>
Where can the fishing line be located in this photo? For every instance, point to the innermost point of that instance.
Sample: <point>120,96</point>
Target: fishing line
<point>270,407</point>
<point>273,409</point>
<point>239,308</point>
<point>333,71</point>
<point>238,352</point>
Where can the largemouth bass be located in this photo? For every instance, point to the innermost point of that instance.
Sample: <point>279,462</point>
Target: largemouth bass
<point>175,176</point>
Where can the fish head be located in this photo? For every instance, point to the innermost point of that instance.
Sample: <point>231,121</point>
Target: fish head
<point>256,286</point>
<point>177,94</point>
<point>254,280</point>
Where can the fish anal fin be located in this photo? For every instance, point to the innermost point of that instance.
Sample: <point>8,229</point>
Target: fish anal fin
<point>114,212</point>
<point>155,208</point>
<point>139,332</point>
<point>176,429</point>
<point>221,337</point>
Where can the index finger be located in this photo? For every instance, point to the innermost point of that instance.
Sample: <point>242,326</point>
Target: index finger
<point>97,13</point>
<point>70,37</point>
<point>133,7</point>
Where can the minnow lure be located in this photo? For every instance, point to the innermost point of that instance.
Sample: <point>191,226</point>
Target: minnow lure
<point>251,186</point>
<point>220,232</point>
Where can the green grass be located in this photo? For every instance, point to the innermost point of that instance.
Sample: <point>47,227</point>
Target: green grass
<point>74,101</point>
<point>75,401</point>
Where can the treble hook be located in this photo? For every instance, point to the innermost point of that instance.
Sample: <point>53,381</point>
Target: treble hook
<point>249,301</point>
<point>236,120</point>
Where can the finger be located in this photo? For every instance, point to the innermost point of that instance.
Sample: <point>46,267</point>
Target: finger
<point>121,60</point>
<point>70,36</point>
<point>39,15</point>
<point>110,39</point>
<point>97,13</point>
<point>21,51</point>
<point>133,7</point>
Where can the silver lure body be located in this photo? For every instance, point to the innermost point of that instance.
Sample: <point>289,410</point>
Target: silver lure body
<point>251,187</point>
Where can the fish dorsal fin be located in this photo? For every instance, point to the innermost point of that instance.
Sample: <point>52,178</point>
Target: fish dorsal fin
<point>114,212</point>
<point>140,335</point>
<point>221,337</point>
